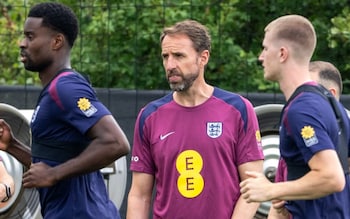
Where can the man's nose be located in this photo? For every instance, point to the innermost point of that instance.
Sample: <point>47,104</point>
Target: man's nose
<point>170,63</point>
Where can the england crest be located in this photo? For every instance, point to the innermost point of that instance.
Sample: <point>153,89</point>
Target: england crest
<point>214,129</point>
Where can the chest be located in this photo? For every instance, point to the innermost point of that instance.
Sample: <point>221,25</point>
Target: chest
<point>207,132</point>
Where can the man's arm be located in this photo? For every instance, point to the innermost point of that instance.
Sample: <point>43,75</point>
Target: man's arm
<point>13,146</point>
<point>277,208</point>
<point>242,208</point>
<point>140,196</point>
<point>278,211</point>
<point>108,144</point>
<point>325,177</point>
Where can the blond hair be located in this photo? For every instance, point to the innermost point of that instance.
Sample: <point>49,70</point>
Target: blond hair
<point>298,31</point>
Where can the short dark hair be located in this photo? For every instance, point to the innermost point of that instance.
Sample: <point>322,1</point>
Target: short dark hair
<point>198,34</point>
<point>327,72</point>
<point>58,17</point>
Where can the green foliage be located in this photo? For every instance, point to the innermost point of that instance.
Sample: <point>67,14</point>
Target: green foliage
<point>118,45</point>
<point>339,37</point>
<point>12,72</point>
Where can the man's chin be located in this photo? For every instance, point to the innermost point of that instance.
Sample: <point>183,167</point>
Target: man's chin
<point>177,88</point>
<point>29,68</point>
<point>269,78</point>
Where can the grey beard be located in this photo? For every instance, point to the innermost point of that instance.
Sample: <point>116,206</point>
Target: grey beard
<point>176,87</point>
<point>185,85</point>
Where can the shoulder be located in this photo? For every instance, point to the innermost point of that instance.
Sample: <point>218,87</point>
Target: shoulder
<point>67,77</point>
<point>68,88</point>
<point>155,105</point>
<point>67,82</point>
<point>309,100</point>
<point>308,105</point>
<point>233,99</point>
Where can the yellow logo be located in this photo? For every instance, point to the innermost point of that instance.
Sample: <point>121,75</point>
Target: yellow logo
<point>84,104</point>
<point>258,136</point>
<point>307,132</point>
<point>190,182</point>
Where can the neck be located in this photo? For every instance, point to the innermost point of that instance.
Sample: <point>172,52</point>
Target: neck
<point>289,88</point>
<point>47,75</point>
<point>194,96</point>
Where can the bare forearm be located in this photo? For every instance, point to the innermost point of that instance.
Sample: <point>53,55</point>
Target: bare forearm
<point>311,186</point>
<point>140,196</point>
<point>108,143</point>
<point>92,159</point>
<point>325,177</point>
<point>244,209</point>
<point>21,152</point>
<point>274,214</point>
<point>137,208</point>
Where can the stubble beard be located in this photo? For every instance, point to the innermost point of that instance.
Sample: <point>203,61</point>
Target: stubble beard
<point>185,84</point>
<point>30,65</point>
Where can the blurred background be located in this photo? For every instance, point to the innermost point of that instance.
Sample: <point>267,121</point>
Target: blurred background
<point>118,44</point>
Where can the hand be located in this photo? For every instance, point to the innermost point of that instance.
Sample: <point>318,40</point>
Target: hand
<point>279,206</point>
<point>256,188</point>
<point>5,135</point>
<point>39,175</point>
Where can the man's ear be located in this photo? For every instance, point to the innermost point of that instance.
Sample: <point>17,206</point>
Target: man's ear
<point>204,57</point>
<point>58,41</point>
<point>333,91</point>
<point>283,55</point>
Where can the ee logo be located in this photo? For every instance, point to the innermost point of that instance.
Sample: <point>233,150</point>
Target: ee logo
<point>190,182</point>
